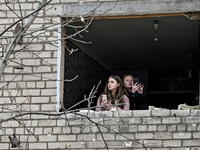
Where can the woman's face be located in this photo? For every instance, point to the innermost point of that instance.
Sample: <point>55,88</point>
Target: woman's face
<point>112,84</point>
<point>128,82</point>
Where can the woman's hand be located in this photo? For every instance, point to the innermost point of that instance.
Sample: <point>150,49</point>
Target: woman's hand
<point>103,103</point>
<point>109,106</point>
<point>140,90</point>
<point>135,87</point>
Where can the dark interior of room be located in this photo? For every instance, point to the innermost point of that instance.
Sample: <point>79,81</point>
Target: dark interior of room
<point>162,50</point>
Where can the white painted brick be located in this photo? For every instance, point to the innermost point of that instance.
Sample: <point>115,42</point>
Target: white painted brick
<point>191,127</point>
<point>12,92</point>
<point>27,138</point>
<point>48,107</point>
<point>103,114</point>
<point>53,99</point>
<point>40,99</point>
<point>141,113</point>
<point>162,127</point>
<point>22,100</point>
<point>195,112</point>
<point>86,137</point>
<point>4,115</point>
<point>38,131</point>
<point>50,47</point>
<point>30,84</point>
<point>31,107</point>
<point>91,0</point>
<point>40,84</point>
<point>57,145</point>
<point>48,92</point>
<point>182,135</point>
<point>171,120</point>
<point>44,54</point>
<point>8,69</point>
<point>123,114</point>
<point>133,128</point>
<point>195,148</point>
<point>162,135</point>
<point>51,61</point>
<point>6,139</point>
<point>42,69</point>
<point>12,85</point>
<point>180,113</point>
<point>57,130</point>
<point>35,47</point>
<point>30,123</point>
<point>25,6</point>
<point>35,26</point>
<point>32,62</point>
<point>32,78</point>
<point>152,128</point>
<point>191,143</point>
<point>4,146</point>
<point>191,119</point>
<point>152,120</point>
<point>9,131</point>
<point>153,143</point>
<point>47,138</point>
<point>66,137</point>
<point>47,131</point>
<point>6,21</point>
<point>13,78</point>
<point>172,143</point>
<point>171,127</point>
<point>3,14</point>
<point>142,128</point>
<point>19,130</point>
<point>120,137</point>
<point>10,124</point>
<point>69,1</point>
<point>31,92</point>
<point>181,127</point>
<point>76,129</point>
<point>61,122</point>
<point>47,123</point>
<point>55,54</point>
<point>5,100</point>
<point>49,76</point>
<point>22,84</point>
<point>95,144</point>
<point>39,116</point>
<point>162,112</point>
<point>50,84</point>
<point>37,145</point>
<point>24,55</point>
<point>196,135</point>
<point>66,129</point>
<point>10,14</point>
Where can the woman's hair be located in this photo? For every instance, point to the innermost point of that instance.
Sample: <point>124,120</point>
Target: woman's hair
<point>118,94</point>
<point>125,89</point>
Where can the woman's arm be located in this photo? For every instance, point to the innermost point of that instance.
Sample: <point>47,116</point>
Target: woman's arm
<point>126,101</point>
<point>99,107</point>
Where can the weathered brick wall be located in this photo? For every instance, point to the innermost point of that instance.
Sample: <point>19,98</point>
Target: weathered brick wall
<point>156,129</point>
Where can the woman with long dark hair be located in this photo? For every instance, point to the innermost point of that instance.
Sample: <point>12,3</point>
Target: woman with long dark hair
<point>113,97</point>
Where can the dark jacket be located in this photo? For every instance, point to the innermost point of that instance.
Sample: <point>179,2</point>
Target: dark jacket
<point>137,101</point>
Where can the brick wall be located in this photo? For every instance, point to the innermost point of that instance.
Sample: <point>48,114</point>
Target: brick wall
<point>156,130</point>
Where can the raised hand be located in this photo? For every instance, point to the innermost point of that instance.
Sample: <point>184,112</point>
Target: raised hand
<point>135,87</point>
<point>140,90</point>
